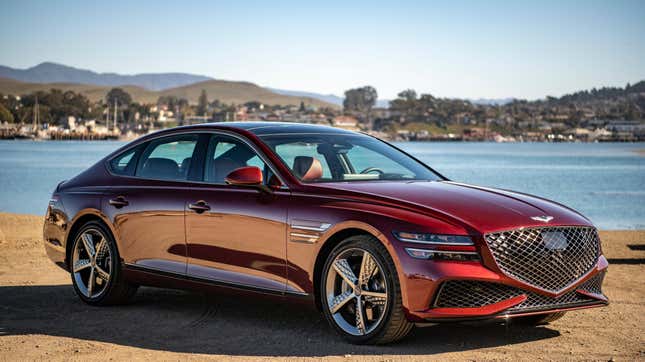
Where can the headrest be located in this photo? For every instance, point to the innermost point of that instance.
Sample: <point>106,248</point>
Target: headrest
<point>307,168</point>
<point>185,164</point>
<point>160,168</point>
<point>222,166</point>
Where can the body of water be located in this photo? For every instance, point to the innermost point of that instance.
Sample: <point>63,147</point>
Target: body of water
<point>604,181</point>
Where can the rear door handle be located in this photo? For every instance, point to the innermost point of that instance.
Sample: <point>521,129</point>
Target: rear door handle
<point>118,202</point>
<point>199,206</point>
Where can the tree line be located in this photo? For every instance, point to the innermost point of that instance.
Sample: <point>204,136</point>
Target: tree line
<point>409,107</point>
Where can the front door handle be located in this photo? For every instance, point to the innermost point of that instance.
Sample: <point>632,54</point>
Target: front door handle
<point>199,206</point>
<point>119,202</point>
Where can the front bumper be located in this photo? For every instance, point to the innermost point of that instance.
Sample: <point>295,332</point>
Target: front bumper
<point>456,291</point>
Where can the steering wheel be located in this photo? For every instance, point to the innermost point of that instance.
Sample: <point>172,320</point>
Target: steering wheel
<point>372,169</point>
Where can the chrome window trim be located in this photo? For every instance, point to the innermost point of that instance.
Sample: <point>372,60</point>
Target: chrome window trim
<point>263,157</point>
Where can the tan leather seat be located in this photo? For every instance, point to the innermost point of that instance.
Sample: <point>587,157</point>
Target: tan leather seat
<point>307,168</point>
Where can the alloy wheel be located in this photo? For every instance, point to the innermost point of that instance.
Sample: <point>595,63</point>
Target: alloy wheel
<point>92,263</point>
<point>356,291</point>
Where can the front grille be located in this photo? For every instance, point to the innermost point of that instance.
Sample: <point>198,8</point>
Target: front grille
<point>474,294</point>
<point>548,258</point>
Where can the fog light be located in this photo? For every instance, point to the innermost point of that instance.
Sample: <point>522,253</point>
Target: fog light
<point>419,253</point>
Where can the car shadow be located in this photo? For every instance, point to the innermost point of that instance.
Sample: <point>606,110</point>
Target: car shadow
<point>177,321</point>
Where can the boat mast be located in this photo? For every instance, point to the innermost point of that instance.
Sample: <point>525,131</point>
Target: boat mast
<point>36,121</point>
<point>115,114</point>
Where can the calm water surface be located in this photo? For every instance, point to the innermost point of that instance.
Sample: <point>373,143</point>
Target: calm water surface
<point>604,181</point>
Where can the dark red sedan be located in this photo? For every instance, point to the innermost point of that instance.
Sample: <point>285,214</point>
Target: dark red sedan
<point>375,238</point>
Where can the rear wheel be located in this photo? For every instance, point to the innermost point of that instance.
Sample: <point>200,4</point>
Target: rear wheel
<point>536,320</point>
<point>96,268</point>
<point>360,292</point>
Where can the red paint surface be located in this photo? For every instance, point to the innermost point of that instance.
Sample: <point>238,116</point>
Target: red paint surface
<point>243,239</point>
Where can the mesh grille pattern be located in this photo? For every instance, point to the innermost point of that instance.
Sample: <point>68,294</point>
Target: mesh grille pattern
<point>594,285</point>
<point>468,294</point>
<point>549,258</point>
<point>472,294</point>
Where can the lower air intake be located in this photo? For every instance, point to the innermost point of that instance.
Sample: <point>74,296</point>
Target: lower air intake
<point>474,294</point>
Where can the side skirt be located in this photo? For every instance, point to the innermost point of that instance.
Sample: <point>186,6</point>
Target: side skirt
<point>163,279</point>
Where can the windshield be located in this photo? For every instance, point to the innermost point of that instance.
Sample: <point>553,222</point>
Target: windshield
<point>342,158</point>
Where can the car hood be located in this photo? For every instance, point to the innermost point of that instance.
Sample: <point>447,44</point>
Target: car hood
<point>481,208</point>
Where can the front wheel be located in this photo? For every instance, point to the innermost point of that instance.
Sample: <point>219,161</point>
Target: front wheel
<point>95,267</point>
<point>361,294</point>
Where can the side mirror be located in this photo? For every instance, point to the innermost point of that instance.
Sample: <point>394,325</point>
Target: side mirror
<point>245,176</point>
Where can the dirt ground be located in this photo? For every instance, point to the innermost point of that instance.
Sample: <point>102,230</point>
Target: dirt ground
<point>41,318</point>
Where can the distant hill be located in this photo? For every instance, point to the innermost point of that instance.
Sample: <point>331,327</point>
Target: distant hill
<point>57,73</point>
<point>329,98</point>
<point>241,92</point>
<point>225,91</point>
<point>67,77</point>
<point>601,94</point>
<point>93,92</point>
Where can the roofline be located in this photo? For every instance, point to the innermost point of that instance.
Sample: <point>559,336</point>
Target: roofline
<point>238,126</point>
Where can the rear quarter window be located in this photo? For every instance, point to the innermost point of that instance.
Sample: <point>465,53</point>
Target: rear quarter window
<point>125,163</point>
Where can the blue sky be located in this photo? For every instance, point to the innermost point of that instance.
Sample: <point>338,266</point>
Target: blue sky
<point>468,49</point>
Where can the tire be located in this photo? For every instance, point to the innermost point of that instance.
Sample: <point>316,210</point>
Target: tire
<point>104,269</point>
<point>383,320</point>
<point>540,319</point>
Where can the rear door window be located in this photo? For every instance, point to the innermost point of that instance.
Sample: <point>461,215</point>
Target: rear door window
<point>226,154</point>
<point>168,158</point>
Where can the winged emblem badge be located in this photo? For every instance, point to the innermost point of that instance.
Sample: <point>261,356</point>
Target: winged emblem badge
<point>543,218</point>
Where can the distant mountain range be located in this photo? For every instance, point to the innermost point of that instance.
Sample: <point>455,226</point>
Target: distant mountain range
<point>144,88</point>
<point>57,73</point>
<point>225,91</point>
<point>67,77</point>
<point>148,86</point>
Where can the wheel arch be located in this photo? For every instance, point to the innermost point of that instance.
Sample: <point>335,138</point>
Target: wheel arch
<point>339,233</point>
<point>81,219</point>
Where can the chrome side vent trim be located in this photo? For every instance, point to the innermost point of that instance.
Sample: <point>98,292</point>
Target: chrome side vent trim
<point>310,225</point>
<point>307,231</point>
<point>303,238</point>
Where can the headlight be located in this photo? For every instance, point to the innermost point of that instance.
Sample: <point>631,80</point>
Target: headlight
<point>439,247</point>
<point>435,239</point>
